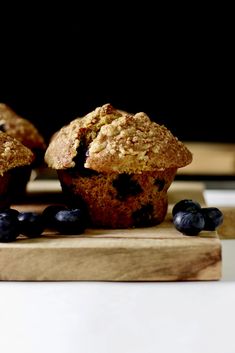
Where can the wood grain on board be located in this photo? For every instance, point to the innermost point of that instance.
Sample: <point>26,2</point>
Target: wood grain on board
<point>227,229</point>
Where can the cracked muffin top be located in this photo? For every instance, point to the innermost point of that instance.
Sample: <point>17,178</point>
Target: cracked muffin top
<point>13,153</point>
<point>110,140</point>
<point>20,128</point>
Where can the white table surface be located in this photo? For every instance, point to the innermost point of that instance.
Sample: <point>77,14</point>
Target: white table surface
<point>95,317</point>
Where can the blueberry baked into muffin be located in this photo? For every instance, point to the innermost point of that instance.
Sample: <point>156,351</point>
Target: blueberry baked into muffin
<point>25,132</point>
<point>119,165</point>
<point>13,155</point>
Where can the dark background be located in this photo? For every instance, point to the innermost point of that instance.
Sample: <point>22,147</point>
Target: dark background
<point>175,66</point>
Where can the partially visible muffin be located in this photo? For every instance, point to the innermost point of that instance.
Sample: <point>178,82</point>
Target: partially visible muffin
<point>120,165</point>
<point>25,132</point>
<point>13,155</point>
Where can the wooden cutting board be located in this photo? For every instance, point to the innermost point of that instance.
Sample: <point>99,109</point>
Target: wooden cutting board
<point>159,253</point>
<point>210,159</point>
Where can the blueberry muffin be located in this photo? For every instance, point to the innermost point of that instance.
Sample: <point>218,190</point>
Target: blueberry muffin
<point>24,131</point>
<point>13,155</point>
<point>120,165</point>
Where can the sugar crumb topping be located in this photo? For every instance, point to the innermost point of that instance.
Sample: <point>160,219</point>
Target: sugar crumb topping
<point>117,141</point>
<point>13,153</point>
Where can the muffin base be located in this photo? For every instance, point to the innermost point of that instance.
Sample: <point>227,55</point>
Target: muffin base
<point>119,200</point>
<point>5,199</point>
<point>20,177</point>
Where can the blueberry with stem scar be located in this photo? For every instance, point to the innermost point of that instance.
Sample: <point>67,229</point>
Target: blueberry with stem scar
<point>189,223</point>
<point>186,205</point>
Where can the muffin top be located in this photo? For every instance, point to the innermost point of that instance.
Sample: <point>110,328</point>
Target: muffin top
<point>20,128</point>
<point>13,153</point>
<point>110,140</point>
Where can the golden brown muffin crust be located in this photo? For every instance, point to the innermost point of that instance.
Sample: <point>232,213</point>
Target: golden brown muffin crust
<point>134,144</point>
<point>13,153</point>
<point>63,147</point>
<point>116,141</point>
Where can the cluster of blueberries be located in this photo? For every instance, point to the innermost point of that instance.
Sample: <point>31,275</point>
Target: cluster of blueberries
<point>32,224</point>
<point>190,218</point>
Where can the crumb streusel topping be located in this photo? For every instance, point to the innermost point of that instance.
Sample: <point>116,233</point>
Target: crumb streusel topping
<point>13,153</point>
<point>116,141</point>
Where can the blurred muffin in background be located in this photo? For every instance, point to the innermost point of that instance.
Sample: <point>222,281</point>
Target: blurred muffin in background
<point>24,131</point>
<point>13,156</point>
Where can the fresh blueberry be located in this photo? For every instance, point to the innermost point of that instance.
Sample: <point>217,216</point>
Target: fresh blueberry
<point>213,217</point>
<point>77,202</point>
<point>31,224</point>
<point>9,227</point>
<point>10,211</point>
<point>189,223</point>
<point>185,205</point>
<point>49,214</point>
<point>70,221</point>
